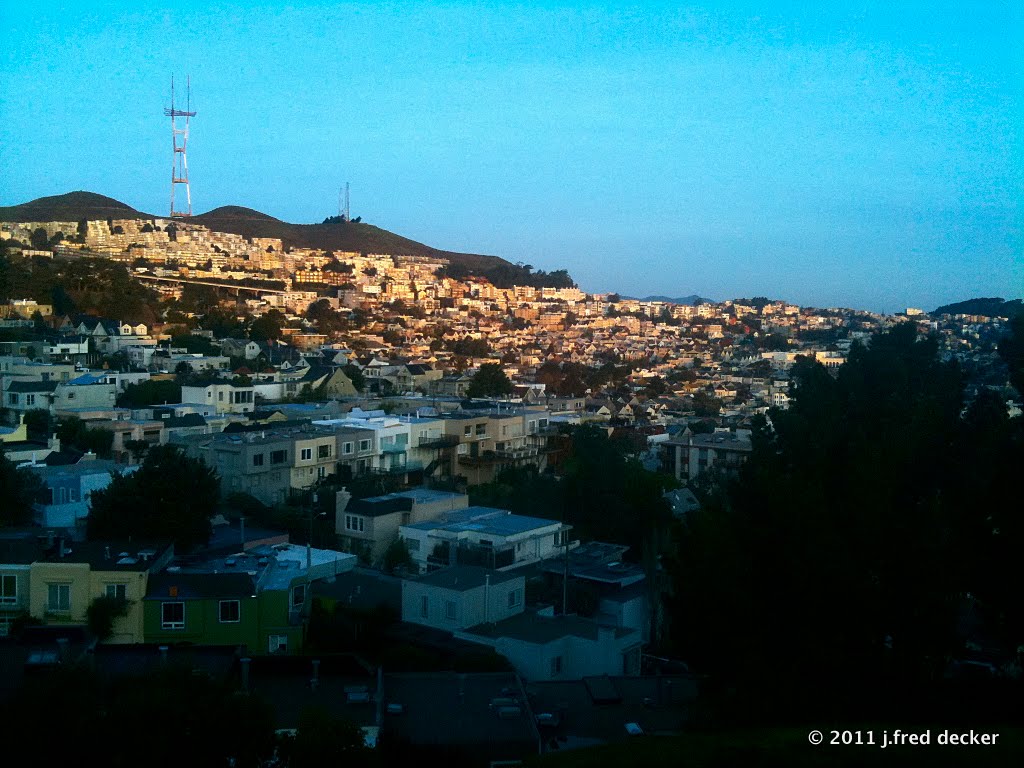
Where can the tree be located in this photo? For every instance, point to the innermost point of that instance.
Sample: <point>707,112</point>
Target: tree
<point>171,496</point>
<point>323,739</point>
<point>151,392</point>
<point>267,327</point>
<point>73,432</point>
<point>397,554</point>
<point>101,614</point>
<point>490,381</point>
<point>355,375</point>
<point>839,552</point>
<point>19,489</point>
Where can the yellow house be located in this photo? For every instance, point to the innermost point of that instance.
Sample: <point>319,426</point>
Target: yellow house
<point>66,580</point>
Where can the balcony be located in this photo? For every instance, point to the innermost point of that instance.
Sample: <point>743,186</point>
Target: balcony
<point>399,469</point>
<point>442,441</point>
<point>394,450</point>
<point>525,452</point>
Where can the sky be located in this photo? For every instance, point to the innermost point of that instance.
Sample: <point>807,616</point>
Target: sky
<point>867,155</point>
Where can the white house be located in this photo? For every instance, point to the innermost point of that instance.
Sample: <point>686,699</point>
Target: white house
<point>485,536</point>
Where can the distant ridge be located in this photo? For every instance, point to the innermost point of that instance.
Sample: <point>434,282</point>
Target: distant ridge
<point>990,307</point>
<point>329,236</point>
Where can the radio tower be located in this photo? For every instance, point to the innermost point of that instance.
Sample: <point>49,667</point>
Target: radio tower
<point>179,165</point>
<point>343,211</point>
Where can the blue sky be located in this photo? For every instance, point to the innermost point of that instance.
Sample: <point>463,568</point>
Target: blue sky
<point>866,156</point>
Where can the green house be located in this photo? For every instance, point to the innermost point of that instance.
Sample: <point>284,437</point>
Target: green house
<point>203,609</point>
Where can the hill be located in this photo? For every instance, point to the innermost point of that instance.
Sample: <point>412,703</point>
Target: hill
<point>990,307</point>
<point>692,300</point>
<point>332,235</point>
<point>74,206</point>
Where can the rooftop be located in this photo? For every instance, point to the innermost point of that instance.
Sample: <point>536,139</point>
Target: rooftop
<point>456,709</point>
<point>465,577</point>
<point>538,629</point>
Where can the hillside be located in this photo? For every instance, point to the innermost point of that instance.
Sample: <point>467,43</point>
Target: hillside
<point>990,307</point>
<point>336,236</point>
<point>333,236</point>
<point>74,206</point>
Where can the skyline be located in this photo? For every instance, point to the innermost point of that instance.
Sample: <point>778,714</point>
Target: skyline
<point>868,158</point>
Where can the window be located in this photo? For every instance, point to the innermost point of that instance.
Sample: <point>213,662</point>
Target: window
<point>346,448</point>
<point>364,445</point>
<point>353,523</point>
<point>413,545</point>
<point>556,666</point>
<point>321,472</point>
<point>117,591</point>
<point>298,595</point>
<point>230,611</point>
<point>481,430</point>
<point>278,644</point>
<point>58,597</point>
<point>257,459</point>
<point>449,609</point>
<point>12,398</point>
<point>172,616</point>
<point>8,590</point>
<point>307,454</point>
<point>323,452</point>
<point>515,598</point>
<point>424,607</point>
<point>30,399</point>
<point>278,457</point>
<point>467,431</point>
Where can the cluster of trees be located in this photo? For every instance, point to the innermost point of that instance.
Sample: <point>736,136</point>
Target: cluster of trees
<point>88,286</point>
<point>490,380</point>
<point>170,497</point>
<point>843,551</point>
<point>602,490</point>
<point>575,379</point>
<point>111,721</point>
<point>504,275</point>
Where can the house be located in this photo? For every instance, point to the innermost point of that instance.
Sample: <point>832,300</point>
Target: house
<point>485,536</point>
<point>444,718</point>
<point>250,350</point>
<point>373,524</point>
<point>219,608</point>
<point>688,456</point>
<point>69,488</point>
<point>18,550</point>
<point>224,395</point>
<point>543,646</point>
<point>265,607</point>
<point>462,596</point>
<point>65,580</point>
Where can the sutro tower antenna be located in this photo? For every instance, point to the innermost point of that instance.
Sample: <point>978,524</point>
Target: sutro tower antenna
<point>179,164</point>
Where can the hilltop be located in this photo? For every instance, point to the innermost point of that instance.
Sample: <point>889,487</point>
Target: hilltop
<point>74,206</point>
<point>990,307</point>
<point>332,235</point>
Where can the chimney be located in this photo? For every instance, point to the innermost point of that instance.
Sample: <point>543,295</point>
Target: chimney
<point>245,673</point>
<point>341,500</point>
<point>316,675</point>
